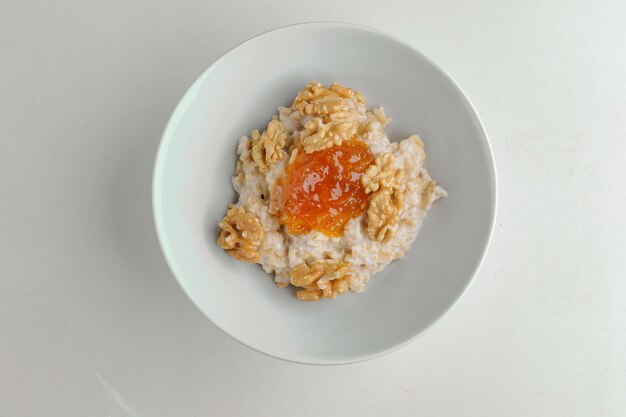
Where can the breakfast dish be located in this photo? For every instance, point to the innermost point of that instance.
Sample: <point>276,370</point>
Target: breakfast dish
<point>325,199</point>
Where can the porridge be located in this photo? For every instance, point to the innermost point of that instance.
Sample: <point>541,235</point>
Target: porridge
<point>325,199</point>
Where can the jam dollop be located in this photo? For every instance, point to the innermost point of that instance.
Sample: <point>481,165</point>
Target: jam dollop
<point>322,190</point>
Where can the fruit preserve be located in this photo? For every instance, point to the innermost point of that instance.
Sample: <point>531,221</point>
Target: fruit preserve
<point>322,190</point>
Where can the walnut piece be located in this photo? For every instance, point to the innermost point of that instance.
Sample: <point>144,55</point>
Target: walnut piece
<point>267,147</point>
<point>241,234</point>
<point>318,135</point>
<point>315,99</point>
<point>383,214</point>
<point>321,278</point>
<point>386,184</point>
<point>309,295</point>
<point>323,105</point>
<point>382,174</point>
<point>346,92</point>
<point>332,109</point>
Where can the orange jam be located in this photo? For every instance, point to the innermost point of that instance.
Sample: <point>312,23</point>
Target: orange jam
<point>322,190</point>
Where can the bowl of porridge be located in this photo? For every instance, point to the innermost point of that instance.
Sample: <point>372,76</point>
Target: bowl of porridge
<point>324,193</point>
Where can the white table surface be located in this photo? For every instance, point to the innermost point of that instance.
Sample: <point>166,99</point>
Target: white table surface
<point>93,324</point>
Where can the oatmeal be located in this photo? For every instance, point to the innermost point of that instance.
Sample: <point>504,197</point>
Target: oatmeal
<point>325,199</point>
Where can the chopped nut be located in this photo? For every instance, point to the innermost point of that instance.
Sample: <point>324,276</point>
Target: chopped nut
<point>386,184</point>
<point>383,214</point>
<point>311,92</point>
<point>321,278</point>
<point>331,108</point>
<point>241,235</point>
<point>315,99</point>
<point>325,105</point>
<point>309,295</point>
<point>346,92</point>
<point>318,135</point>
<point>340,286</point>
<point>304,274</point>
<point>382,174</point>
<point>267,147</point>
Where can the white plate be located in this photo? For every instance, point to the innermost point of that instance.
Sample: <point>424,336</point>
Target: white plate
<point>240,92</point>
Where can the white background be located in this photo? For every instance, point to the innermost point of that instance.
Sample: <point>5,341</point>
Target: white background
<point>93,324</point>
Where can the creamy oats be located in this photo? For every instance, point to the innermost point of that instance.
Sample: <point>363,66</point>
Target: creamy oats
<point>325,199</point>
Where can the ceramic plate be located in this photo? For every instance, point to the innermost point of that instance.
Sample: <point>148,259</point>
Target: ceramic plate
<point>240,92</point>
